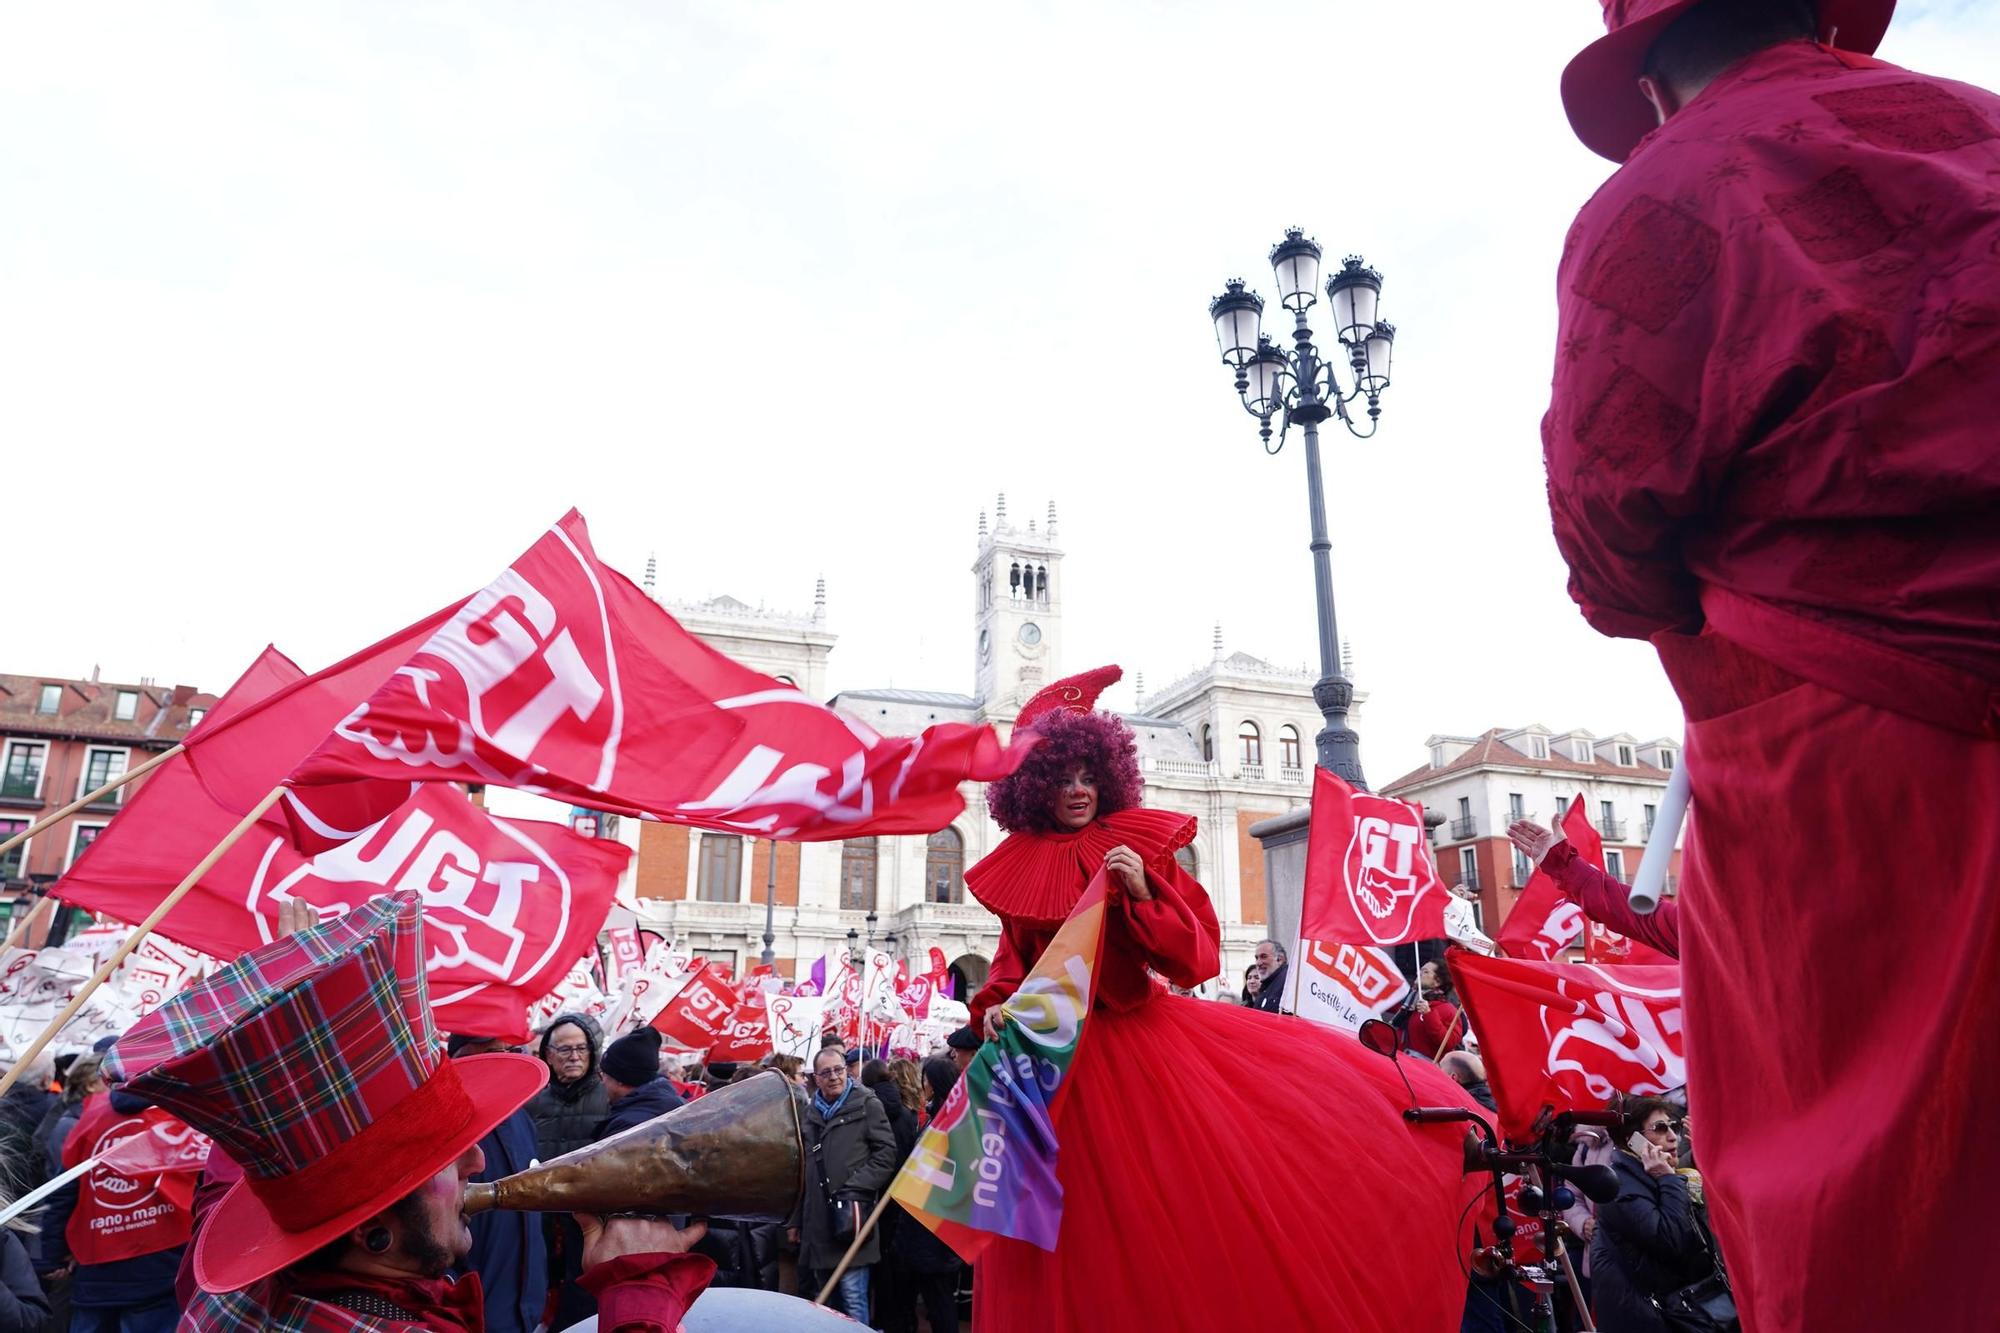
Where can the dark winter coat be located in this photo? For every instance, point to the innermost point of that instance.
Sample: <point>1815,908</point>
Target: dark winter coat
<point>902,1120</point>
<point>857,1151</point>
<point>509,1251</point>
<point>21,1112</point>
<point>1270,991</point>
<point>23,1307</point>
<point>1648,1243</point>
<point>51,1247</point>
<point>566,1116</point>
<point>638,1106</point>
<point>914,1246</point>
<point>1482,1093</point>
<point>745,1253</point>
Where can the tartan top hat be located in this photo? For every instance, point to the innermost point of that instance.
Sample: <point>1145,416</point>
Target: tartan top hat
<point>1600,88</point>
<point>314,1063</point>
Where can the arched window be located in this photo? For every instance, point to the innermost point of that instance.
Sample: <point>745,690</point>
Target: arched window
<point>1288,746</point>
<point>1251,742</point>
<point>1207,744</point>
<point>1188,861</point>
<point>786,680</point>
<point>719,873</point>
<point>944,867</point>
<point>857,874</point>
<point>1041,583</point>
<point>1014,579</point>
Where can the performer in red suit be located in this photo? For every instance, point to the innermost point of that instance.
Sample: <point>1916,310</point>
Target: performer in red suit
<point>1771,451</point>
<point>1218,1164</point>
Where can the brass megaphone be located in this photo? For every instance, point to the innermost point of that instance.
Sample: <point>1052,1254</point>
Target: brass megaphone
<point>738,1152</point>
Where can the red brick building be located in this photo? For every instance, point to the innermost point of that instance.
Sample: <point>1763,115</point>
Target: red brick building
<point>1481,784</point>
<point>62,738</point>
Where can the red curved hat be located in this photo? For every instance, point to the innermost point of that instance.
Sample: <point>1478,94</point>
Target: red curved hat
<point>1071,694</point>
<point>1600,88</point>
<point>314,1063</point>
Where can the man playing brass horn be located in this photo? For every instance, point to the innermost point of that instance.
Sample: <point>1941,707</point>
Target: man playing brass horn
<point>313,1063</point>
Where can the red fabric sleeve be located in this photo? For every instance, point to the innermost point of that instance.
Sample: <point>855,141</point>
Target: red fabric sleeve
<point>1009,970</point>
<point>1175,930</point>
<point>646,1292</point>
<point>1432,1029</point>
<point>1606,901</point>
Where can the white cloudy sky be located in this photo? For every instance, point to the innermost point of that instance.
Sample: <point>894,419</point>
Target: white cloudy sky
<point>312,315</point>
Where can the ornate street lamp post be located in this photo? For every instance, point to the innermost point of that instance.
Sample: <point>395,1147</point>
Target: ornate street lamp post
<point>1303,386</point>
<point>770,955</point>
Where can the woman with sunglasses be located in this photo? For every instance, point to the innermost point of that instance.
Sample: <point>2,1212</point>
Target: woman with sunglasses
<point>1650,1240</point>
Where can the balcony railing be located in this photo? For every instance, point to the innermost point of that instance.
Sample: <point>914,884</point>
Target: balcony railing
<point>1468,879</point>
<point>18,787</point>
<point>1291,773</point>
<point>1250,772</point>
<point>1181,768</point>
<point>1613,829</point>
<point>1465,828</point>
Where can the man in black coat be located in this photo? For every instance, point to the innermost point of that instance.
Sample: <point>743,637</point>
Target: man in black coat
<point>854,1156</point>
<point>1271,968</point>
<point>508,1251</point>
<point>632,1078</point>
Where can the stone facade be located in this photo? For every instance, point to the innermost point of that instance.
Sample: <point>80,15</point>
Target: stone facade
<point>1229,742</point>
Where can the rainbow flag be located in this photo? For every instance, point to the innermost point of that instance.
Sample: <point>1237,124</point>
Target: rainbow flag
<point>986,1166</point>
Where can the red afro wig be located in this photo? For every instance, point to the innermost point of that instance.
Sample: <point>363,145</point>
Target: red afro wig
<point>1025,800</point>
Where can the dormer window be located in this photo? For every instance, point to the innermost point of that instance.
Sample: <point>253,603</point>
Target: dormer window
<point>1667,760</point>
<point>1437,756</point>
<point>1625,756</point>
<point>1538,747</point>
<point>127,707</point>
<point>1582,752</point>
<point>51,700</point>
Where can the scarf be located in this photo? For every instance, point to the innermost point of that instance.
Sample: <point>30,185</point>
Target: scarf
<point>827,1110</point>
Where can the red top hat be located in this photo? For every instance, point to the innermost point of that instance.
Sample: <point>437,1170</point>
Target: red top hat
<point>1600,89</point>
<point>314,1063</point>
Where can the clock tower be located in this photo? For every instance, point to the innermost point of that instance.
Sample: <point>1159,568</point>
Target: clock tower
<point>1017,612</point>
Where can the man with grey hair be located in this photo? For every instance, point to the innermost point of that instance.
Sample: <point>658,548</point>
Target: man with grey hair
<point>1266,987</point>
<point>1469,1072</point>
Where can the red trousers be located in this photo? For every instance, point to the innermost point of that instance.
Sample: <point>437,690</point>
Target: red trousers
<point>1840,954</point>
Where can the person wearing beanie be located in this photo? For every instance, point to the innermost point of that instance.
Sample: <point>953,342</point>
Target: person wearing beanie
<point>639,1092</point>
<point>963,1044</point>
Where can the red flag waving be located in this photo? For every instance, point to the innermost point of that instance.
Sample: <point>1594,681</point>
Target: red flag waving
<point>1369,874</point>
<point>747,1033</point>
<point>1542,922</point>
<point>508,904</point>
<point>1569,1035</point>
<point>562,677</point>
<point>700,1010</point>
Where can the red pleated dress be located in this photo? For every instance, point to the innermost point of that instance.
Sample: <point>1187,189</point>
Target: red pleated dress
<point>1220,1166</point>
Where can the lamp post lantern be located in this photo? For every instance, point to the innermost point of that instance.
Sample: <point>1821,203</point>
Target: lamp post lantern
<point>1303,388</point>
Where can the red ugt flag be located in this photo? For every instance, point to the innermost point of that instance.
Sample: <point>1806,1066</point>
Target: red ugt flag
<point>747,1034</point>
<point>1569,1035</point>
<point>561,677</point>
<point>1369,874</point>
<point>509,904</point>
<point>700,1010</point>
<point>1543,922</point>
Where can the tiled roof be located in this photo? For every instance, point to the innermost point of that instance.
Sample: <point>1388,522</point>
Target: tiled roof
<point>88,710</point>
<point>1490,751</point>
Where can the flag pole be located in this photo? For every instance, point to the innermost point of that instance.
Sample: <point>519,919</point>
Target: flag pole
<point>21,927</point>
<point>87,798</point>
<point>1449,1033</point>
<point>854,1248</point>
<point>138,935</point>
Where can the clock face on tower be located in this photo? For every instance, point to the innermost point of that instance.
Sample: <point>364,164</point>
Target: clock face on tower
<point>1031,634</point>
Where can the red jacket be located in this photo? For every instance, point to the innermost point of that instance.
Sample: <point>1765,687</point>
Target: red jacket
<point>1433,1028</point>
<point>1779,328</point>
<point>1604,900</point>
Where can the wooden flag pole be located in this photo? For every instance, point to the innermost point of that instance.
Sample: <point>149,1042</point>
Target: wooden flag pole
<point>853,1249</point>
<point>21,927</point>
<point>139,933</point>
<point>1449,1033</point>
<point>87,798</point>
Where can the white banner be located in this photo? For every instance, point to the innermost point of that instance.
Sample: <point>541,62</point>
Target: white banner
<point>1344,985</point>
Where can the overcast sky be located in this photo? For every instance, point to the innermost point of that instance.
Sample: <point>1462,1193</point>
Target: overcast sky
<point>312,316</point>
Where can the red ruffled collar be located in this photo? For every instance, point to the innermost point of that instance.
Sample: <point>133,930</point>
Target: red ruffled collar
<point>1039,876</point>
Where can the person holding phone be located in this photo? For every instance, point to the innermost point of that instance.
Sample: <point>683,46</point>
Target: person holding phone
<point>1649,1239</point>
